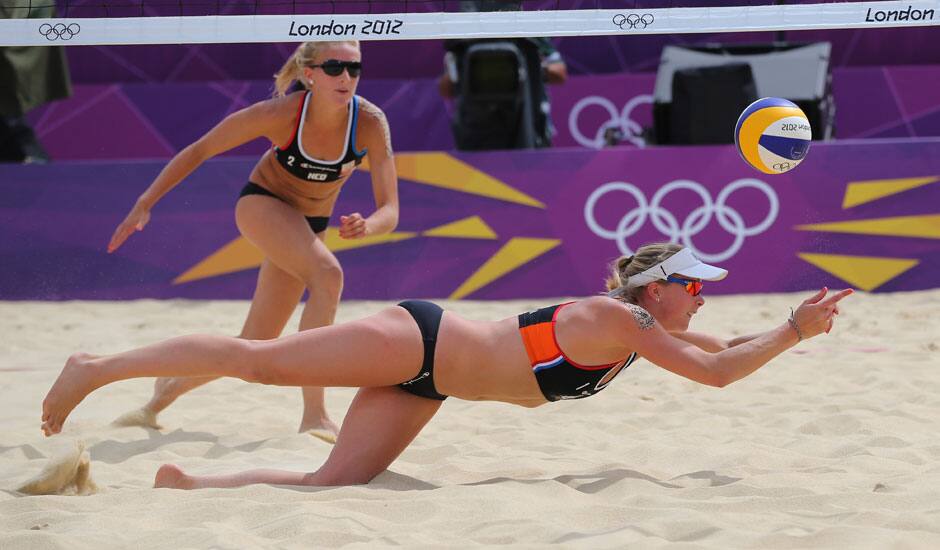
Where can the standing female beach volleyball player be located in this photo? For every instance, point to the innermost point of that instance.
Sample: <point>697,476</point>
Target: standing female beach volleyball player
<point>320,135</point>
<point>406,359</point>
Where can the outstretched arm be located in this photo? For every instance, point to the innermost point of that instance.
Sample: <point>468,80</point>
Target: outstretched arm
<point>706,361</point>
<point>714,344</point>
<point>240,127</point>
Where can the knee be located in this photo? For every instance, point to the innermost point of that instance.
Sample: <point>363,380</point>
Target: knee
<point>326,278</point>
<point>325,477</point>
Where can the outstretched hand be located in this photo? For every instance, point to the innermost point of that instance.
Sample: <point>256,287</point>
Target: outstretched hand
<point>816,314</point>
<point>136,220</point>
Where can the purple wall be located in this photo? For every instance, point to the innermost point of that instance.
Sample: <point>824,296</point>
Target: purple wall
<point>423,59</point>
<point>146,102</point>
<point>528,224</point>
<point>156,120</point>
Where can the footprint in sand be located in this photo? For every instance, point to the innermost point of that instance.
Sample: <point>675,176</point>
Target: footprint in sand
<point>66,474</point>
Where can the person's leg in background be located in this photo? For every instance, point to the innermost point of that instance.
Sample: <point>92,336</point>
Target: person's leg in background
<point>32,76</point>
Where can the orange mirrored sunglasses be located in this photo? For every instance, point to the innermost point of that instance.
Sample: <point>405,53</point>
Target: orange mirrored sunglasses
<point>692,286</point>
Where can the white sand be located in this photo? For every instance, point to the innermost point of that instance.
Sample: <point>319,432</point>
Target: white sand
<point>835,444</point>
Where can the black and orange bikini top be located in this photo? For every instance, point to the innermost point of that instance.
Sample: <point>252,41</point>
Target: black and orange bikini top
<point>300,164</point>
<point>557,375</point>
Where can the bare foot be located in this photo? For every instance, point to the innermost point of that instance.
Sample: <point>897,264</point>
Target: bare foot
<point>74,382</point>
<point>324,429</point>
<point>166,390</point>
<point>143,417</point>
<point>172,477</point>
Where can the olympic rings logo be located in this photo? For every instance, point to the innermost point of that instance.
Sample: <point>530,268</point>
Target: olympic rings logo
<point>59,30</point>
<point>619,127</point>
<point>782,166</point>
<point>633,21</point>
<point>666,223</point>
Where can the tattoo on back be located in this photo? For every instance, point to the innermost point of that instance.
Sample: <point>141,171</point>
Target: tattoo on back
<point>643,317</point>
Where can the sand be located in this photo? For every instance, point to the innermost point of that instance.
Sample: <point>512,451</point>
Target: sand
<point>835,444</point>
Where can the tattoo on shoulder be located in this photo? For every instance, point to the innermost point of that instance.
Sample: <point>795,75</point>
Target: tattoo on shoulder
<point>379,116</point>
<point>643,317</point>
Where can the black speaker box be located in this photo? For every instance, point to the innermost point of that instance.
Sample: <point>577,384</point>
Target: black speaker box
<point>701,90</point>
<point>706,103</point>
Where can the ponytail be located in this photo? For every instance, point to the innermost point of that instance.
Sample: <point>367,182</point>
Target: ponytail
<point>615,279</point>
<point>290,72</point>
<point>624,267</point>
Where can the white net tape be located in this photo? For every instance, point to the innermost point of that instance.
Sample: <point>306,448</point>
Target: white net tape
<point>417,26</point>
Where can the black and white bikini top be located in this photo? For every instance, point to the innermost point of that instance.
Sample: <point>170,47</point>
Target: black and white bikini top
<point>300,164</point>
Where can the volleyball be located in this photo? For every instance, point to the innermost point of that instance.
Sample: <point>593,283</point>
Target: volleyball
<point>773,135</point>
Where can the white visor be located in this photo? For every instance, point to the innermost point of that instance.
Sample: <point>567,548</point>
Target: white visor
<point>681,263</point>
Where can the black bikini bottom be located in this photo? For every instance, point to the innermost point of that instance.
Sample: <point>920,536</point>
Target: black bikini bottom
<point>317,223</point>
<point>428,317</point>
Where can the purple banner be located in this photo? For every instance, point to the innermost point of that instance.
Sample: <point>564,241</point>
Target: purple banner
<point>156,120</point>
<point>499,225</point>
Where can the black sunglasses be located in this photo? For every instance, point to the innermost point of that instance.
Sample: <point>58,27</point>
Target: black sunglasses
<point>335,67</point>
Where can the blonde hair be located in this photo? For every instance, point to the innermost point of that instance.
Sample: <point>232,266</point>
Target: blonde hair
<point>625,267</point>
<point>293,68</point>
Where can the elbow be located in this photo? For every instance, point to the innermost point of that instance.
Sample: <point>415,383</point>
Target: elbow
<point>392,219</point>
<point>719,380</point>
<point>714,375</point>
<point>195,153</point>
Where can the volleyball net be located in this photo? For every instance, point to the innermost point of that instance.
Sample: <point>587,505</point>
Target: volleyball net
<point>120,22</point>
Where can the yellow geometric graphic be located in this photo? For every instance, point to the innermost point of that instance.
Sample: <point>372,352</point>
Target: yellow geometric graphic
<point>864,272</point>
<point>235,256</point>
<point>926,226</point>
<point>335,243</point>
<point>443,170</point>
<point>860,192</point>
<point>240,254</point>
<point>468,228</point>
<point>516,252</point>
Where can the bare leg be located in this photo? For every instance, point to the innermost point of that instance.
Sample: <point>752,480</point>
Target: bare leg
<point>295,259</point>
<point>319,311</point>
<point>380,424</point>
<point>285,238</point>
<point>382,350</point>
<point>276,296</point>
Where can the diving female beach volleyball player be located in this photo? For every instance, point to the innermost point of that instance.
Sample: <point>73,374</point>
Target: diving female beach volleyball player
<point>407,359</point>
<point>320,135</point>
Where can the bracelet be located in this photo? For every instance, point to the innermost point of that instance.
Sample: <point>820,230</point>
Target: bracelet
<point>796,327</point>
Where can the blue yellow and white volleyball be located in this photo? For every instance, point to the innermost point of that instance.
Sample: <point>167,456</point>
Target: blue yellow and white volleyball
<point>773,135</point>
